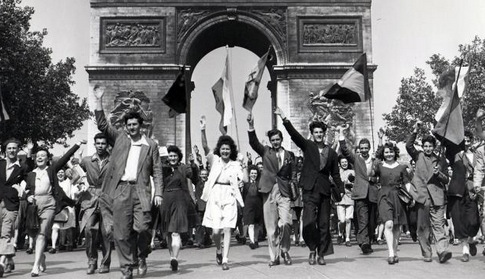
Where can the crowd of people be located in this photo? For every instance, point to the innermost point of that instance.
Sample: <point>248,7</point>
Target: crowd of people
<point>129,192</point>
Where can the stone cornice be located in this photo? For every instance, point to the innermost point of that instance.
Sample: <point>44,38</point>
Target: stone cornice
<point>134,72</point>
<point>311,71</point>
<point>191,3</point>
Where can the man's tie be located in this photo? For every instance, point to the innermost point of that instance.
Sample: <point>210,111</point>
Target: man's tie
<point>278,156</point>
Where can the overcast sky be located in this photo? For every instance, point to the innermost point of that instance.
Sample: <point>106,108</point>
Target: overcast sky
<point>404,35</point>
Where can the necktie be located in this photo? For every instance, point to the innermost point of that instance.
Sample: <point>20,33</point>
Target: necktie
<point>278,156</point>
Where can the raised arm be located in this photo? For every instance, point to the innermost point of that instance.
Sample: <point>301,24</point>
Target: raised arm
<point>103,125</point>
<point>297,138</point>
<point>412,151</point>
<point>344,149</point>
<point>203,135</point>
<point>66,157</point>
<point>253,139</point>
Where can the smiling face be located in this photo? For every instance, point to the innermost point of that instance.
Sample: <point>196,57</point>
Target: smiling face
<point>344,164</point>
<point>253,175</point>
<point>203,175</point>
<point>225,152</point>
<point>364,149</point>
<point>428,148</point>
<point>11,151</point>
<point>275,141</point>
<point>41,158</point>
<point>318,135</point>
<point>133,127</point>
<point>173,158</point>
<point>389,155</point>
<point>61,175</point>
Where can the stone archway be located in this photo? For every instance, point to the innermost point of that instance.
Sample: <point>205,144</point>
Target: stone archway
<point>140,45</point>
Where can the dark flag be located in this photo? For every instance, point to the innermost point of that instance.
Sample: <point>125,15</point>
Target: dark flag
<point>176,97</point>
<point>353,86</point>
<point>252,84</point>
<point>3,113</point>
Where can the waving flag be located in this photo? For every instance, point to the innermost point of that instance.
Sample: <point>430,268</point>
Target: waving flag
<point>176,97</point>
<point>252,84</point>
<point>222,95</point>
<point>353,86</point>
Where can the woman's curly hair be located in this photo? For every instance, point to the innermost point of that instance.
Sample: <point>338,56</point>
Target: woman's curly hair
<point>391,146</point>
<point>229,141</point>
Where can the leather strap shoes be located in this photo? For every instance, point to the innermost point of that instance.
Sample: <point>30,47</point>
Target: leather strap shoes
<point>321,261</point>
<point>312,258</point>
<point>286,258</point>
<point>445,256</point>
<point>274,262</point>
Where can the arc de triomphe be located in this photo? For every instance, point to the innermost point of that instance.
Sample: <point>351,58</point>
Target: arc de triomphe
<point>139,46</point>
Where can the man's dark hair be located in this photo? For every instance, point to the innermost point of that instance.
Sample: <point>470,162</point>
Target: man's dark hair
<point>318,124</point>
<point>430,139</point>
<point>133,115</point>
<point>364,141</point>
<point>11,140</point>
<point>469,134</point>
<point>274,132</point>
<point>100,136</point>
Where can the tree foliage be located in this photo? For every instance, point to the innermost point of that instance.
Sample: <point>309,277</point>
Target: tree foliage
<point>37,93</point>
<point>416,99</point>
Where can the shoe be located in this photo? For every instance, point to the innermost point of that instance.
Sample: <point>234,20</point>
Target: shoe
<point>103,269</point>
<point>428,259</point>
<point>380,242</point>
<point>29,251</point>
<point>311,258</point>
<point>347,243</point>
<point>142,267</point>
<point>225,266</point>
<point>190,242</point>
<point>340,240</point>
<point>445,256</point>
<point>252,245</point>
<point>52,251</point>
<point>174,264</point>
<point>275,262</point>
<point>127,273</point>
<point>396,259</point>
<point>219,258</point>
<point>391,260</point>
<point>366,249</point>
<point>465,258</point>
<point>91,269</point>
<point>286,258</point>
<point>34,272</point>
<point>321,260</point>
<point>473,248</point>
<point>8,269</point>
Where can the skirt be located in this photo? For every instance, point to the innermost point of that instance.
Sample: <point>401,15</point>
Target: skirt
<point>390,206</point>
<point>253,210</point>
<point>221,208</point>
<point>174,213</point>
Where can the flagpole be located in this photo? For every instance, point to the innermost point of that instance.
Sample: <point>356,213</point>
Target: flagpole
<point>371,122</point>
<point>451,107</point>
<point>232,96</point>
<point>188,138</point>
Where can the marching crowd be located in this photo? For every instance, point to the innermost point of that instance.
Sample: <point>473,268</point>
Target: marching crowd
<point>128,192</point>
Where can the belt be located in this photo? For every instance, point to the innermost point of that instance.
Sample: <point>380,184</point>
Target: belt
<point>223,183</point>
<point>173,189</point>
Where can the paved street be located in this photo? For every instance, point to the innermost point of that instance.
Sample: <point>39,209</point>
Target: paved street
<point>347,262</point>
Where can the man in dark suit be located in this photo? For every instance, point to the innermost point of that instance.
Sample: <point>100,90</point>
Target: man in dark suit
<point>11,174</point>
<point>275,186</point>
<point>320,162</point>
<point>126,187</point>
<point>95,167</point>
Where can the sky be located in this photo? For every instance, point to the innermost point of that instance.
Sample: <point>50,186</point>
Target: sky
<point>404,35</point>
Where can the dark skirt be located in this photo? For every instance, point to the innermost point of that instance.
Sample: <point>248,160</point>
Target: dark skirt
<point>390,206</point>
<point>253,210</point>
<point>464,215</point>
<point>177,213</point>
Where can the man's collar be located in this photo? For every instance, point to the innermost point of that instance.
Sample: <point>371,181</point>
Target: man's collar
<point>13,164</point>
<point>141,141</point>
<point>95,157</point>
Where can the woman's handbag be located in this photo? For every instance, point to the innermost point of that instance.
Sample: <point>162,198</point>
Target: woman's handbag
<point>62,216</point>
<point>404,195</point>
<point>335,193</point>
<point>32,219</point>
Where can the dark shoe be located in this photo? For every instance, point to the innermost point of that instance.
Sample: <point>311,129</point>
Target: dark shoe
<point>225,266</point>
<point>252,245</point>
<point>91,269</point>
<point>380,242</point>
<point>103,269</point>
<point>286,258</point>
<point>340,240</point>
<point>52,251</point>
<point>366,249</point>
<point>142,267</point>
<point>190,243</point>
<point>219,258</point>
<point>8,269</point>
<point>30,251</point>
<point>321,261</point>
<point>465,258</point>
<point>473,248</point>
<point>275,262</point>
<point>445,256</point>
<point>127,273</point>
<point>174,264</point>
<point>396,259</point>
<point>311,258</point>
<point>347,243</point>
<point>391,260</point>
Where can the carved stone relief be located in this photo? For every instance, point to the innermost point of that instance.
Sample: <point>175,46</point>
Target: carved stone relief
<point>318,34</point>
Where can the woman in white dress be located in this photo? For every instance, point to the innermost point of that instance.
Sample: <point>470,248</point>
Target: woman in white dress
<point>222,193</point>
